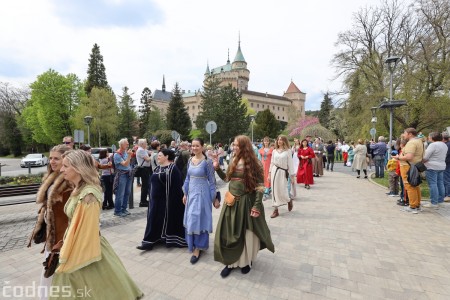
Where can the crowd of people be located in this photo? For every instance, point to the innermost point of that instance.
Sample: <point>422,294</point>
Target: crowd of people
<point>178,185</point>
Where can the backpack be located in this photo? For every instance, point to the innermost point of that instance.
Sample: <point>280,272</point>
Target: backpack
<point>414,178</point>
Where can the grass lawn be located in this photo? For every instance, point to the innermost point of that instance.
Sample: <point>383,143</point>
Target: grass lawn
<point>385,182</point>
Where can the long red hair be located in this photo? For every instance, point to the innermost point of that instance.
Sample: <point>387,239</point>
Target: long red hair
<point>253,171</point>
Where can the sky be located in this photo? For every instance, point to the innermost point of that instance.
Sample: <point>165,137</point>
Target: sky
<point>142,40</point>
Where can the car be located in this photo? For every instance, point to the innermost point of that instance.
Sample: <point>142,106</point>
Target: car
<point>96,151</point>
<point>34,159</point>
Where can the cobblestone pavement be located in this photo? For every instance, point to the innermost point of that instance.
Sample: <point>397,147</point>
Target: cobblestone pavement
<point>344,239</point>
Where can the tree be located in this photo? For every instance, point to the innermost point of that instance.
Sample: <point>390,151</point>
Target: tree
<point>325,109</point>
<point>177,117</point>
<point>101,104</point>
<point>266,125</point>
<point>420,35</point>
<point>96,71</point>
<point>210,97</point>
<point>48,113</point>
<point>144,111</point>
<point>231,118</point>
<point>156,121</point>
<point>128,126</point>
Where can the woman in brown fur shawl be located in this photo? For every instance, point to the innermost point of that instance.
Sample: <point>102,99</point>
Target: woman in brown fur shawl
<point>51,198</point>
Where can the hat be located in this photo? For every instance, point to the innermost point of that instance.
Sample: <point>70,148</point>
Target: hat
<point>394,152</point>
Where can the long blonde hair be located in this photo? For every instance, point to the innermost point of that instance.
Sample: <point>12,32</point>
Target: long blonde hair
<point>83,163</point>
<point>285,142</point>
<point>60,149</point>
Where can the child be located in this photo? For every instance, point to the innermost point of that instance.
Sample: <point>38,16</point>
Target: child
<point>393,177</point>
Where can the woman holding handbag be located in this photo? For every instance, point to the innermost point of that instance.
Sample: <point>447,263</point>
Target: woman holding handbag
<point>52,196</point>
<point>242,229</point>
<point>199,195</point>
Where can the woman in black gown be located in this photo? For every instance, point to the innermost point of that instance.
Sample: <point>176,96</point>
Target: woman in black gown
<point>166,209</point>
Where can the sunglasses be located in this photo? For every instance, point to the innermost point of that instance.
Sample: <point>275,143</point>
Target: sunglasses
<point>67,143</point>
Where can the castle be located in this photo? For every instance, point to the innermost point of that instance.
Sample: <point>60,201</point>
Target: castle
<point>238,75</point>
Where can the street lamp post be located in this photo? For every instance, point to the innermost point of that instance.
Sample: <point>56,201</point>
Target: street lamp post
<point>87,121</point>
<point>252,118</point>
<point>392,63</point>
<point>373,131</point>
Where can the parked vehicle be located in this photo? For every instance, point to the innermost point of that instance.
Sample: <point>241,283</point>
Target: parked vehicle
<point>96,151</point>
<point>34,159</point>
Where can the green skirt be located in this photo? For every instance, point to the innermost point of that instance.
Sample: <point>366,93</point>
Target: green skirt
<point>105,279</point>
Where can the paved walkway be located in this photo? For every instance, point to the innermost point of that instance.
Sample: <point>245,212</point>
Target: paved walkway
<point>344,239</point>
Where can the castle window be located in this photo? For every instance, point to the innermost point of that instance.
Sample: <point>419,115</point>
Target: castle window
<point>283,108</point>
<point>193,106</point>
<point>278,108</point>
<point>273,107</point>
<point>263,105</point>
<point>278,117</point>
<point>283,118</point>
<point>251,104</point>
<point>257,105</point>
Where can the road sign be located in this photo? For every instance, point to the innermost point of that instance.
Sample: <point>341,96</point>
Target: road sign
<point>211,127</point>
<point>175,135</point>
<point>78,136</point>
<point>373,131</point>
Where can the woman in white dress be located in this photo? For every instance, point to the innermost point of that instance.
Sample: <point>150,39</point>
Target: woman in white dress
<point>295,160</point>
<point>281,168</point>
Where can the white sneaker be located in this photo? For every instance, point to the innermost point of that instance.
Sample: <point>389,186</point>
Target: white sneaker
<point>410,210</point>
<point>431,205</point>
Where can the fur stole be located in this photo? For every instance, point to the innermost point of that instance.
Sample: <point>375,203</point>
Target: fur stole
<point>54,191</point>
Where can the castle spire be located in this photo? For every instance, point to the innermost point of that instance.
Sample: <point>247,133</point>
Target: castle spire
<point>239,56</point>
<point>228,60</point>
<point>164,84</point>
<point>207,72</point>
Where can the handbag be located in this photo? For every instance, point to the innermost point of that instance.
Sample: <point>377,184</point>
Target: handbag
<point>230,199</point>
<point>421,167</point>
<point>41,235</point>
<point>51,262</point>
<point>138,171</point>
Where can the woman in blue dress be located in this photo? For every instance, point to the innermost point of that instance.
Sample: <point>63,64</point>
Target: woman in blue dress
<point>199,195</point>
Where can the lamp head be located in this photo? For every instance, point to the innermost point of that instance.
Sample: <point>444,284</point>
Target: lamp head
<point>88,120</point>
<point>374,110</point>
<point>392,62</point>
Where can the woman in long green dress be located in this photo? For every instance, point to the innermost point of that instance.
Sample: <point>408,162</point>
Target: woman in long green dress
<point>242,229</point>
<point>88,266</point>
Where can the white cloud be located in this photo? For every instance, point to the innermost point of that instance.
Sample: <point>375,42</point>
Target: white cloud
<point>280,40</point>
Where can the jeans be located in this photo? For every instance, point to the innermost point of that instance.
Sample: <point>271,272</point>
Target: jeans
<point>379,166</point>
<point>122,193</point>
<point>108,194</point>
<point>330,161</point>
<point>435,180</point>
<point>338,155</point>
<point>447,180</point>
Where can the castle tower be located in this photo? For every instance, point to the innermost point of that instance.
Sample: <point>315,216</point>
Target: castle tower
<point>297,97</point>
<point>239,69</point>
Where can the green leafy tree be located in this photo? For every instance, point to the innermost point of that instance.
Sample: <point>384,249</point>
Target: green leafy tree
<point>177,117</point>
<point>128,123</point>
<point>102,106</point>
<point>144,111</point>
<point>325,109</point>
<point>156,121</point>
<point>266,124</point>
<point>48,113</point>
<point>96,71</point>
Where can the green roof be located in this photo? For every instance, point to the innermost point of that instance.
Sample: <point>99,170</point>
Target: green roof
<point>239,56</point>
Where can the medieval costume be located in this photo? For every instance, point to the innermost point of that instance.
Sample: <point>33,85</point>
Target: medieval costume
<point>200,190</point>
<point>87,262</point>
<point>318,159</point>
<point>166,209</point>
<point>305,169</point>
<point>239,236</point>
<point>266,158</point>
<point>281,168</point>
<point>52,196</point>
